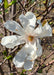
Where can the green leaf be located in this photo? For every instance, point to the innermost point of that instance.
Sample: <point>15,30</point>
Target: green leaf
<point>0,12</point>
<point>11,74</point>
<point>6,10</point>
<point>5,3</point>
<point>40,71</point>
<point>43,65</point>
<point>53,45</point>
<point>23,70</point>
<point>4,53</point>
<point>44,56</point>
<point>13,2</point>
<point>52,58</point>
<point>33,1</point>
<point>23,74</point>
<point>9,57</point>
<point>4,57</point>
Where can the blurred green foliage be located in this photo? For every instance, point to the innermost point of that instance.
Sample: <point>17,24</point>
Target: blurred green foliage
<point>4,53</point>
<point>9,57</point>
<point>6,5</point>
<point>0,12</point>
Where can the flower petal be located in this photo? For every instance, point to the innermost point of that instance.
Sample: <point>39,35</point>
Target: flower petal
<point>19,59</point>
<point>32,18</point>
<point>38,49</point>
<point>28,65</point>
<point>47,30</point>
<point>39,22</point>
<point>38,32</point>
<point>11,41</point>
<point>44,31</point>
<point>32,56</point>
<point>24,21</point>
<point>30,48</point>
<point>14,27</point>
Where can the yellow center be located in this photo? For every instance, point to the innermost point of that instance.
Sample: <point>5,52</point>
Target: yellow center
<point>30,38</point>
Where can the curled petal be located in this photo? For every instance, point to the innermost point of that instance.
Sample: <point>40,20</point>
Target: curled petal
<point>11,41</point>
<point>28,65</point>
<point>14,27</point>
<point>44,31</point>
<point>47,30</point>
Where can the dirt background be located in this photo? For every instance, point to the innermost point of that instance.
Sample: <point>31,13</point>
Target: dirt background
<point>7,68</point>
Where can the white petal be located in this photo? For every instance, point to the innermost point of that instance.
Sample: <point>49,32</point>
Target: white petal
<point>14,27</point>
<point>24,21</point>
<point>39,22</point>
<point>43,31</point>
<point>32,56</point>
<point>38,30</point>
<point>30,48</point>
<point>19,58</point>
<point>32,18</point>
<point>11,41</point>
<point>29,30</point>
<point>36,52</point>
<point>28,65</point>
<point>47,30</point>
<point>38,49</point>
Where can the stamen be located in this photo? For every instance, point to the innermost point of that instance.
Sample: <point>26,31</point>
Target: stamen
<point>30,38</point>
<point>16,29</point>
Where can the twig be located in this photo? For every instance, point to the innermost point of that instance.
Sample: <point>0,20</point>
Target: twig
<point>45,10</point>
<point>1,5</point>
<point>1,71</point>
<point>48,11</point>
<point>48,17</point>
<point>31,6</point>
<point>15,14</point>
<point>40,65</point>
<point>49,55</point>
<point>8,55</point>
<point>13,50</point>
<point>51,62</point>
<point>22,6</point>
<point>14,11</point>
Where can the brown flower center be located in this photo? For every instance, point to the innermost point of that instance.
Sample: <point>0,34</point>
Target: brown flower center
<point>30,38</point>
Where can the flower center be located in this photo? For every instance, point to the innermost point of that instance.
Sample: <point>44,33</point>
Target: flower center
<point>30,38</point>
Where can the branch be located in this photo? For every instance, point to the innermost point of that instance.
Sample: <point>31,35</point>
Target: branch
<point>40,65</point>
<point>22,6</point>
<point>45,10</point>
<point>8,55</point>
<point>31,6</point>
<point>48,11</point>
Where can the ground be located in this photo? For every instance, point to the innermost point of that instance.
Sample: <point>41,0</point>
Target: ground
<point>7,68</point>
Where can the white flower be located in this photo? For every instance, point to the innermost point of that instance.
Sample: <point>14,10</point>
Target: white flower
<point>32,49</point>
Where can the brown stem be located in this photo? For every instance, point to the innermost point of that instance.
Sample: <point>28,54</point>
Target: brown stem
<point>1,71</point>
<point>22,6</point>
<point>45,65</point>
<point>45,10</point>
